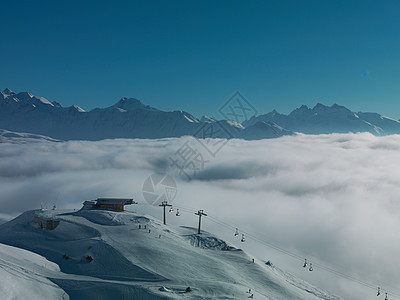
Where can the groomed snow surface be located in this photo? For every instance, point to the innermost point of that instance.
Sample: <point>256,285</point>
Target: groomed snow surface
<point>101,254</point>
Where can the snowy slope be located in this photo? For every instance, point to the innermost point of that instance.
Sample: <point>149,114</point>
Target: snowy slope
<point>24,273</point>
<point>264,130</point>
<point>7,136</point>
<point>136,263</point>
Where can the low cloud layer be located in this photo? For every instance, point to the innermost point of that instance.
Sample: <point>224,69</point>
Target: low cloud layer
<point>332,198</point>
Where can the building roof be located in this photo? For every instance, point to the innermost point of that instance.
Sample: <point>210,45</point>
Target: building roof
<point>89,202</point>
<point>117,201</point>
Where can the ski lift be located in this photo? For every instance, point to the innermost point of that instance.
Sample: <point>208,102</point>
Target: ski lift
<point>242,240</point>
<point>310,269</point>
<point>379,291</point>
<point>386,298</point>
<point>305,263</point>
<point>171,209</point>
<point>237,232</point>
<point>177,212</point>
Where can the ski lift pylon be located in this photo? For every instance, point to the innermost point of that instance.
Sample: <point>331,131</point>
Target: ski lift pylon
<point>311,268</point>
<point>243,239</point>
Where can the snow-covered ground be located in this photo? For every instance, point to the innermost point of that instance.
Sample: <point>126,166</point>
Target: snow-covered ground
<point>155,261</point>
<point>7,136</point>
<point>24,274</point>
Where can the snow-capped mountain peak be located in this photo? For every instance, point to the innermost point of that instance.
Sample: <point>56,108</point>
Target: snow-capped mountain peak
<point>129,104</point>
<point>77,108</point>
<point>8,92</point>
<point>24,98</point>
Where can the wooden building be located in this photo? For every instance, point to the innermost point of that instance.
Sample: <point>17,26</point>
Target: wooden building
<point>108,203</point>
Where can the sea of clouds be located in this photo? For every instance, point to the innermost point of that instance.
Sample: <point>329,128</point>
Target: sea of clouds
<point>333,199</point>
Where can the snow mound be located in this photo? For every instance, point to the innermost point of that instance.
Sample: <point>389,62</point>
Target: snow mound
<point>206,242</point>
<point>111,218</point>
<point>23,273</point>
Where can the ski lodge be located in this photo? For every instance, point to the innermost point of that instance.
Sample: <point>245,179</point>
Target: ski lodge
<point>108,203</point>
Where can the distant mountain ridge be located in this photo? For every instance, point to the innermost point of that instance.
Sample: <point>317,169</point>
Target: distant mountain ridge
<point>130,118</point>
<point>323,119</point>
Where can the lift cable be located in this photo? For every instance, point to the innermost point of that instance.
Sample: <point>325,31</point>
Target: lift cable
<point>282,250</point>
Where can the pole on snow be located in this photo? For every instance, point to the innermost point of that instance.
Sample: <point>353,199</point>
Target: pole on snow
<point>200,213</point>
<point>165,204</point>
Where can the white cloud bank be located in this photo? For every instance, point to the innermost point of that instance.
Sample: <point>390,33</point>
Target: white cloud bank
<point>333,198</point>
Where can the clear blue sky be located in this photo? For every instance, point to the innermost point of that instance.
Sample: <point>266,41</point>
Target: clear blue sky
<point>193,55</point>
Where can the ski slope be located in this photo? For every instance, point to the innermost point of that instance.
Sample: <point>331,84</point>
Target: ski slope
<point>155,261</point>
<point>24,273</point>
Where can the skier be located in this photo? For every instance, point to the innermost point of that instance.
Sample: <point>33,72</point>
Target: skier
<point>188,289</point>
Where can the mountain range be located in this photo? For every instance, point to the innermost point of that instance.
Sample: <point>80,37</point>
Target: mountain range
<point>130,118</point>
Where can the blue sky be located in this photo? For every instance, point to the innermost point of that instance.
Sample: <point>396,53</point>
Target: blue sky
<point>193,55</point>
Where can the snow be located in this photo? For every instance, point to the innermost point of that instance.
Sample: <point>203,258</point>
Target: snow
<point>189,119</point>
<point>121,110</point>
<point>208,119</point>
<point>158,262</point>
<point>23,273</point>
<point>7,91</point>
<point>387,118</point>
<point>11,137</point>
<point>45,101</point>
<point>78,108</point>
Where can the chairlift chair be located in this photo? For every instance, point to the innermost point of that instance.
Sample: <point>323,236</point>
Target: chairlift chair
<point>311,268</point>
<point>177,212</point>
<point>386,297</point>
<point>305,263</point>
<point>237,232</point>
<point>242,240</point>
<point>379,291</point>
<point>171,210</point>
